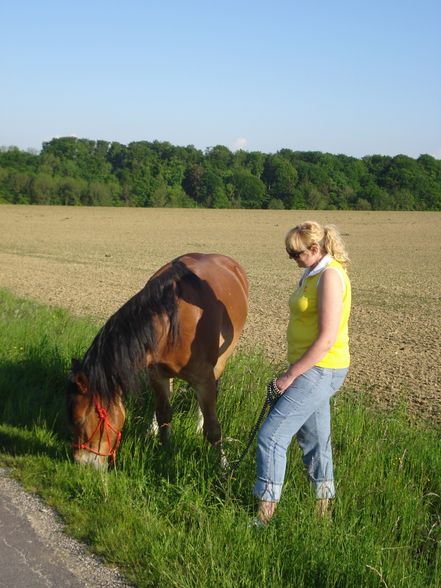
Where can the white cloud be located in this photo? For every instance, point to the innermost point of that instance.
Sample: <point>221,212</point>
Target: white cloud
<point>239,143</point>
<point>437,153</point>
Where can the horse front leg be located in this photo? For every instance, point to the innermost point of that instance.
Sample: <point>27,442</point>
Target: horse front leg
<point>163,412</point>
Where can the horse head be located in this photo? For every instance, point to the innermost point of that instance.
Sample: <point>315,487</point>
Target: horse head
<point>96,426</point>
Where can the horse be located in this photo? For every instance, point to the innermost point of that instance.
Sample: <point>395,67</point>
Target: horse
<point>184,323</point>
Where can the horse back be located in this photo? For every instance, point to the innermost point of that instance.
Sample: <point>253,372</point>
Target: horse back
<point>212,302</point>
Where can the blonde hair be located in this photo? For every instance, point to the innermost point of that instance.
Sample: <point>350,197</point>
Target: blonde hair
<point>303,236</point>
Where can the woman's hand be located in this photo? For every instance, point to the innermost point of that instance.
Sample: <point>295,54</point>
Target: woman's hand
<point>284,381</point>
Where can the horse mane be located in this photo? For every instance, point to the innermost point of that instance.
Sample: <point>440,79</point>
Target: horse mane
<point>117,355</point>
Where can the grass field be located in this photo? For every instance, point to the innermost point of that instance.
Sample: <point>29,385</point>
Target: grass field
<point>91,260</point>
<point>162,516</point>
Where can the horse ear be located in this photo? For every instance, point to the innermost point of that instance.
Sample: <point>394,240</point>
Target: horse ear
<point>82,382</point>
<point>78,377</point>
<point>75,365</point>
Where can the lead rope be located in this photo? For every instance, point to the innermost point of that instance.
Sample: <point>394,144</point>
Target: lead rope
<point>272,395</point>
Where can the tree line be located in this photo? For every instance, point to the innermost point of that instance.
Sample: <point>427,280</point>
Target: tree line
<point>72,171</point>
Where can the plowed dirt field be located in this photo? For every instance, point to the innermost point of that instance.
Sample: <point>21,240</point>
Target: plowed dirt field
<point>91,260</point>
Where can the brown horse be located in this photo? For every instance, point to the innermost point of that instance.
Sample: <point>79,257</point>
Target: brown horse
<point>185,322</point>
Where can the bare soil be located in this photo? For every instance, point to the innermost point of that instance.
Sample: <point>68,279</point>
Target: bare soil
<point>91,260</point>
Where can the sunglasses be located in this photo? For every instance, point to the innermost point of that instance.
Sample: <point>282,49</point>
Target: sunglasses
<point>296,254</point>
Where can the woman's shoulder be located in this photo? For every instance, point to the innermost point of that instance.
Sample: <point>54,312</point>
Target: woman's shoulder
<point>335,268</point>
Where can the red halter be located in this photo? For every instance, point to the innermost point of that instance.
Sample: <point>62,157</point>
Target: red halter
<point>103,423</point>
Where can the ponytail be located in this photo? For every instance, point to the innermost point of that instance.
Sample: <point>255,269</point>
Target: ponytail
<point>334,245</point>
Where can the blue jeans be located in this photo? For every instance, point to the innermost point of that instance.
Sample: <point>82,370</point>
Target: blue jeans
<point>302,410</point>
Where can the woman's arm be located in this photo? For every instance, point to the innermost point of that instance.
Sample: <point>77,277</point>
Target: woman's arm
<point>330,305</point>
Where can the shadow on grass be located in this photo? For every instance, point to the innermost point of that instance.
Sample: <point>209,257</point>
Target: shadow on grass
<point>17,442</point>
<point>32,407</point>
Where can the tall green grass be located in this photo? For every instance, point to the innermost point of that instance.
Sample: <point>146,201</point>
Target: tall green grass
<point>163,516</point>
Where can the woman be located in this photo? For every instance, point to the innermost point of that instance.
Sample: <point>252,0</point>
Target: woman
<point>318,356</point>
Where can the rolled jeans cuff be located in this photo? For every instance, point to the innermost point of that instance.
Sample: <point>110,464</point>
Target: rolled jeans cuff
<point>267,491</point>
<point>325,489</point>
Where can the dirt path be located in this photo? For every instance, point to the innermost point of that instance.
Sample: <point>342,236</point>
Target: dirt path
<point>91,260</point>
<point>35,552</point>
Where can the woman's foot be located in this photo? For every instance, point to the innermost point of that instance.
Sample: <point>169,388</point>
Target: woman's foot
<point>266,511</point>
<point>256,523</point>
<point>322,507</point>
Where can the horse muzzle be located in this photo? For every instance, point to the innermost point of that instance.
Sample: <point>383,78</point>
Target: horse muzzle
<point>88,458</point>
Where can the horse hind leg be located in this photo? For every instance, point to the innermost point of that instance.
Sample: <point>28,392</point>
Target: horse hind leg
<point>206,393</point>
<point>200,421</point>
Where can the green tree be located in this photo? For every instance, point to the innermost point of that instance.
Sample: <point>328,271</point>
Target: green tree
<point>404,200</point>
<point>248,189</point>
<point>13,158</point>
<point>177,198</point>
<point>219,158</point>
<point>275,204</point>
<point>44,189</point>
<point>253,161</point>
<point>280,178</point>
<point>315,199</point>
<point>362,204</point>
<point>299,200</point>
<point>143,173</point>
<point>212,188</point>
<point>174,171</point>
<point>193,181</point>
<point>100,194</point>
<point>70,190</point>
<point>18,186</point>
<point>170,197</point>
<point>378,198</point>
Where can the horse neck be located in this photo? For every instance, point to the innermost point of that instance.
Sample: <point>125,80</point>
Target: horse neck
<point>161,327</point>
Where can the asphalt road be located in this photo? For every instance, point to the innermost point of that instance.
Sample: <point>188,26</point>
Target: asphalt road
<point>35,552</point>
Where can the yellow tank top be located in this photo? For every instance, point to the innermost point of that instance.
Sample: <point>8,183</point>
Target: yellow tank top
<point>303,320</point>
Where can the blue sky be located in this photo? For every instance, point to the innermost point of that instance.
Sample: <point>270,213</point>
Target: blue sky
<point>343,77</point>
